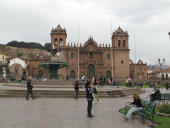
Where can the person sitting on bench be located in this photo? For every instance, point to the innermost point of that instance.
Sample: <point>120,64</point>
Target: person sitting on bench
<point>155,95</point>
<point>136,106</point>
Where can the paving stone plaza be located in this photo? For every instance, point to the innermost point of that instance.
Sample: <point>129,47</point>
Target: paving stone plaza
<point>62,113</point>
<point>65,113</point>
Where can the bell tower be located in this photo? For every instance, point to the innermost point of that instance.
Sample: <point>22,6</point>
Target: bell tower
<point>120,53</point>
<point>58,37</point>
<point>120,39</point>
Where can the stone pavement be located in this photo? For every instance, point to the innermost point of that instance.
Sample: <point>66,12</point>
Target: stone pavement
<point>62,113</point>
<point>65,113</point>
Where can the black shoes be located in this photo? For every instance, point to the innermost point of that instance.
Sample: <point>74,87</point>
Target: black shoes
<point>32,98</point>
<point>90,115</point>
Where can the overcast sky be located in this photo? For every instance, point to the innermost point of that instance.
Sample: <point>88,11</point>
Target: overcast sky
<point>147,22</point>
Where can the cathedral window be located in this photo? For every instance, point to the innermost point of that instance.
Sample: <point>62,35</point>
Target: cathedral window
<point>61,42</point>
<point>55,41</point>
<point>72,55</point>
<point>124,43</point>
<point>108,56</point>
<point>72,74</point>
<point>91,55</point>
<point>108,74</point>
<point>119,43</point>
<point>122,61</point>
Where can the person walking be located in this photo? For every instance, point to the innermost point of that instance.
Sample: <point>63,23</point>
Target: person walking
<point>29,89</point>
<point>76,87</point>
<point>89,92</point>
<point>136,106</point>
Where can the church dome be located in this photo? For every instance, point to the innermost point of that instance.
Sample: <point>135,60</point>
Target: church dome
<point>90,41</point>
<point>140,62</point>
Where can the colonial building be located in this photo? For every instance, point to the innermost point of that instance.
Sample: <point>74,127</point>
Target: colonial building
<point>17,68</point>
<point>159,74</point>
<point>93,59</point>
<point>138,71</point>
<point>3,66</point>
<point>33,67</point>
<point>3,59</point>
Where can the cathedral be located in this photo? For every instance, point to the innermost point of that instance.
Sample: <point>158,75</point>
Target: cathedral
<point>91,58</point>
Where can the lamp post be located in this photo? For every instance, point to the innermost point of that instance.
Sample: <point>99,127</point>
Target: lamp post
<point>161,64</point>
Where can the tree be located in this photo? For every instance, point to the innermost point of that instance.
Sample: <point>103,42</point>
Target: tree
<point>23,44</point>
<point>47,46</point>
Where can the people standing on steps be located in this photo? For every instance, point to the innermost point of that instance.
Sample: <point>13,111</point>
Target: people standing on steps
<point>76,87</point>
<point>89,92</point>
<point>29,88</point>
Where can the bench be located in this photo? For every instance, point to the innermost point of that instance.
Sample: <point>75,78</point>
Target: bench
<point>147,111</point>
<point>164,97</point>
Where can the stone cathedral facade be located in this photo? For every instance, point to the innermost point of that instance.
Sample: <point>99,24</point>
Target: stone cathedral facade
<point>94,59</point>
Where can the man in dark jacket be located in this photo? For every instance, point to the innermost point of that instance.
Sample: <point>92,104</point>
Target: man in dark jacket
<point>167,85</point>
<point>76,87</point>
<point>155,95</point>
<point>89,91</point>
<point>29,89</point>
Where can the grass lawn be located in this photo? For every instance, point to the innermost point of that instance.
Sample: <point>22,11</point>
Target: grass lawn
<point>14,82</point>
<point>143,86</point>
<point>163,121</point>
<point>11,82</point>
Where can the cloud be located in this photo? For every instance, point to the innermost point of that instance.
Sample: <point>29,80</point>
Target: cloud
<point>33,20</point>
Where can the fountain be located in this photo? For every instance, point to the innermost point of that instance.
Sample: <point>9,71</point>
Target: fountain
<point>56,62</point>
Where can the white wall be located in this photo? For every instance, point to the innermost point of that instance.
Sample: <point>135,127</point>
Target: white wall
<point>17,61</point>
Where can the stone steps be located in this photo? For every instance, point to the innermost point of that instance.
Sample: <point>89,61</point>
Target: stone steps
<point>51,82</point>
<point>66,93</point>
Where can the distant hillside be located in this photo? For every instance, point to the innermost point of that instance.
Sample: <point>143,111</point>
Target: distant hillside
<point>23,53</point>
<point>22,44</point>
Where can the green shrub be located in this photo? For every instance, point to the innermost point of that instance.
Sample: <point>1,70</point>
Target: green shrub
<point>20,54</point>
<point>165,108</point>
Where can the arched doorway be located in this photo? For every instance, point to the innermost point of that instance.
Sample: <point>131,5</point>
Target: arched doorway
<point>72,74</point>
<point>91,71</point>
<point>108,74</point>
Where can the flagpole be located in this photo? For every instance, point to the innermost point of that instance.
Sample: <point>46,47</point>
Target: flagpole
<point>111,50</point>
<point>78,52</point>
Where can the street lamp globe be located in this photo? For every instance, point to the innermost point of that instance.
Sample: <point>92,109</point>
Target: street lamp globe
<point>159,60</point>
